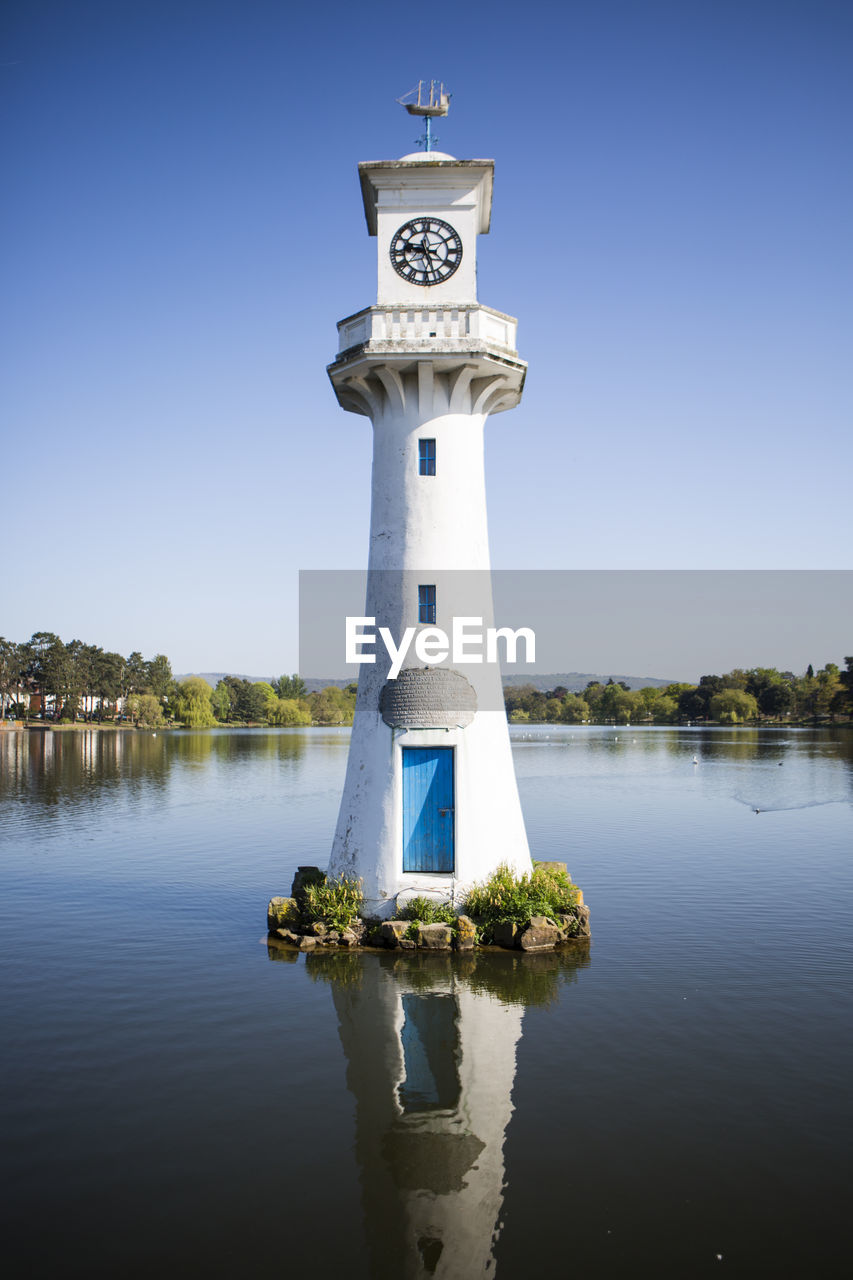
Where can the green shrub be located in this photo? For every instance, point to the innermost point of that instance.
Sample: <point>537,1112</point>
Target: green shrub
<point>425,911</point>
<point>336,902</point>
<point>507,896</point>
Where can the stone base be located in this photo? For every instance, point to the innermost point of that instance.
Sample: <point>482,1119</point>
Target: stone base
<point>287,924</point>
<point>540,933</point>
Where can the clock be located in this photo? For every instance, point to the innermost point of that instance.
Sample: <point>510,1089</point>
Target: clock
<point>426,251</point>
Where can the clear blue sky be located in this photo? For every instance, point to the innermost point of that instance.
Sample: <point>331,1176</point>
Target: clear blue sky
<point>182,228</point>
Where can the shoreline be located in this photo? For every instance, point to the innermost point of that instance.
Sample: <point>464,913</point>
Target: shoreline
<point>81,726</point>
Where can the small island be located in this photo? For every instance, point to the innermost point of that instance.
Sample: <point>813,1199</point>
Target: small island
<point>535,912</point>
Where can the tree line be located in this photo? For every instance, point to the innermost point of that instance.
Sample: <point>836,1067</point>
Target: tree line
<point>282,702</point>
<point>87,683</point>
<point>738,697</point>
<point>84,680</point>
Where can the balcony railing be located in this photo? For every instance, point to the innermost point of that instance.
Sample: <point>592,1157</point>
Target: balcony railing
<point>420,324</point>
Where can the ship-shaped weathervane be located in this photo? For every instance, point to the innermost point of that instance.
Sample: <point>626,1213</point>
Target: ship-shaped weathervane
<point>427,102</point>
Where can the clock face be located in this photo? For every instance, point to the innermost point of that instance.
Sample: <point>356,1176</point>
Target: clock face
<point>426,251</point>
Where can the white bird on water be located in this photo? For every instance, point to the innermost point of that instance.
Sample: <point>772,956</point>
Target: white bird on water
<point>695,759</point>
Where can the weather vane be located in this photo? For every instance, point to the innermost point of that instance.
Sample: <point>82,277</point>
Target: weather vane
<point>420,103</point>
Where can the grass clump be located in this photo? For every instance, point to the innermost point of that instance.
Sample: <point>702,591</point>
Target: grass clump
<point>508,896</point>
<point>336,902</point>
<point>425,911</point>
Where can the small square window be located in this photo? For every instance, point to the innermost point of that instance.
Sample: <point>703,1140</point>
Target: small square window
<point>426,604</point>
<point>426,457</point>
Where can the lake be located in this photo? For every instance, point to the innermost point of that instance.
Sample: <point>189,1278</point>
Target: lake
<point>672,1101</point>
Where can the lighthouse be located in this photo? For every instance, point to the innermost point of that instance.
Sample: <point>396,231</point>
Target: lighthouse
<point>430,802</point>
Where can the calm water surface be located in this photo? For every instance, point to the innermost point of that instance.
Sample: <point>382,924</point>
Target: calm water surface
<point>674,1101</point>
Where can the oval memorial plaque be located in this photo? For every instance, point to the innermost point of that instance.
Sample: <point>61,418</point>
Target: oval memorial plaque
<point>428,698</point>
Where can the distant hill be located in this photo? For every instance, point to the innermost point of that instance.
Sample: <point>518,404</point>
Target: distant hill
<point>313,685</point>
<point>574,681</point>
<point>213,677</point>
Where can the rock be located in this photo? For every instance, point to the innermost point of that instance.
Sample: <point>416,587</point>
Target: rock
<point>316,929</point>
<point>407,944</point>
<point>575,923</point>
<point>435,937</point>
<point>540,935</point>
<point>287,935</point>
<point>305,876</point>
<point>392,931</point>
<point>349,938</point>
<point>307,944</point>
<point>282,913</point>
<point>552,866</point>
<point>333,937</point>
<point>505,934</point>
<point>466,934</point>
<point>583,921</point>
<point>579,900</point>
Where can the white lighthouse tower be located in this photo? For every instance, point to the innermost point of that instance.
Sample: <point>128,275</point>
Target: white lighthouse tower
<point>430,802</point>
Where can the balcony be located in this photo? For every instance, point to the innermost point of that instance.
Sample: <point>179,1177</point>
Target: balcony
<point>441,329</point>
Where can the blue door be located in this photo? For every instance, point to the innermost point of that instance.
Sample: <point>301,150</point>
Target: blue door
<point>428,809</point>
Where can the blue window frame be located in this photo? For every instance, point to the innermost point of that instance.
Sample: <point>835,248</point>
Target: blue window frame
<point>426,604</point>
<point>426,457</point>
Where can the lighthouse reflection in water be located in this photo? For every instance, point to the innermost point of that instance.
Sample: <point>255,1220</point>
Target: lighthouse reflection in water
<point>430,1044</point>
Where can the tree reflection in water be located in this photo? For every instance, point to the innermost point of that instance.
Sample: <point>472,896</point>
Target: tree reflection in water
<point>81,767</point>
